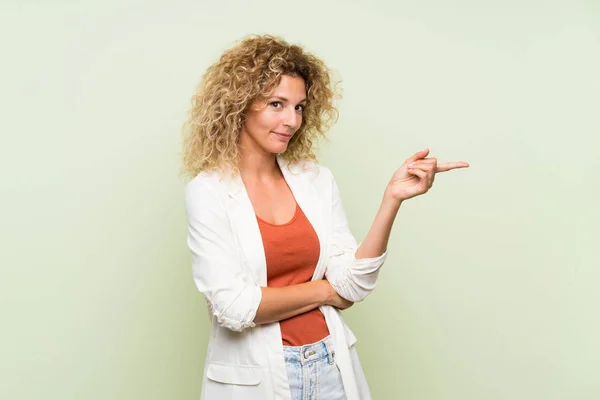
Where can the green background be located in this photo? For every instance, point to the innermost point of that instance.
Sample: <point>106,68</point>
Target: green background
<point>490,288</point>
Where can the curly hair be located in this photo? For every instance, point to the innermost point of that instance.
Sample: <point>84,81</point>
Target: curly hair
<point>244,73</point>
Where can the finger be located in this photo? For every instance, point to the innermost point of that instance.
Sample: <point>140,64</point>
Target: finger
<point>422,164</point>
<point>447,166</point>
<point>429,173</point>
<point>418,172</point>
<point>418,155</point>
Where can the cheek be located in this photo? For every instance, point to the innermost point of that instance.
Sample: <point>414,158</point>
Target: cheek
<point>272,119</point>
<point>268,122</point>
<point>261,123</point>
<point>256,124</point>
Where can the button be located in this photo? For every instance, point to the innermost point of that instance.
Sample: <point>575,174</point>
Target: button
<point>308,353</point>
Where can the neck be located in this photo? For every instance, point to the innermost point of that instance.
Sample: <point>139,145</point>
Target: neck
<point>259,165</point>
<point>256,163</point>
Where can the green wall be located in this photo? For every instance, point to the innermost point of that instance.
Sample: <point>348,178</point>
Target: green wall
<point>489,291</point>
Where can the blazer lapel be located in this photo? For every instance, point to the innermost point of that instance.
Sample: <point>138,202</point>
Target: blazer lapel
<point>300,180</point>
<point>245,227</point>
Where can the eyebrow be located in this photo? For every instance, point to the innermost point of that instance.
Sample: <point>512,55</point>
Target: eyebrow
<point>284,99</point>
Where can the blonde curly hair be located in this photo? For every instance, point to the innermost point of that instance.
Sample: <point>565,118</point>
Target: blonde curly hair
<point>245,73</point>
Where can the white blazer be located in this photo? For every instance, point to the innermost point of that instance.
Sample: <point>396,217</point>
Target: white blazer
<point>245,361</point>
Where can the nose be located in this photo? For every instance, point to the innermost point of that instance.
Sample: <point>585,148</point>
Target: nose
<point>292,119</point>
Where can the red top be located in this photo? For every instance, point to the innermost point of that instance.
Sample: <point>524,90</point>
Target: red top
<point>292,252</point>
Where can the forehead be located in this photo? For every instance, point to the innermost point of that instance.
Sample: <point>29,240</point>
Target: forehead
<point>290,87</point>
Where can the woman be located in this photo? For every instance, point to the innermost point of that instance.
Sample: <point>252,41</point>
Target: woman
<point>271,249</point>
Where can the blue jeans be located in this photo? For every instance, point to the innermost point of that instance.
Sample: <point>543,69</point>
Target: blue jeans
<point>312,372</point>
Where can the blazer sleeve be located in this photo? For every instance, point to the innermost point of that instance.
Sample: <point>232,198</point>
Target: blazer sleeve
<point>232,295</point>
<point>352,279</point>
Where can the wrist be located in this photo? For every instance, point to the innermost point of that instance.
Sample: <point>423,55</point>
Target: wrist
<point>390,201</point>
<point>326,292</point>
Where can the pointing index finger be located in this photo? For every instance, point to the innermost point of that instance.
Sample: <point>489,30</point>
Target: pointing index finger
<point>447,166</point>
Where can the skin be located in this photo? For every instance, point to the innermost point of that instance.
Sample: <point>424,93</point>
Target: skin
<point>268,127</point>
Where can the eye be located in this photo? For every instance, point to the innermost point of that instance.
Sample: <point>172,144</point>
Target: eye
<point>276,104</point>
<point>300,107</point>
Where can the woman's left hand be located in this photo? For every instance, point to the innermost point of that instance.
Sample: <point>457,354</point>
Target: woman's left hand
<point>417,174</point>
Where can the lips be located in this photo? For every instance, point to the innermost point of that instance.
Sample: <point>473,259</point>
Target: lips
<point>283,135</point>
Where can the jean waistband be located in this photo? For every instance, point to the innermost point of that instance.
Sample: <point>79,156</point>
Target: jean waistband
<point>310,352</point>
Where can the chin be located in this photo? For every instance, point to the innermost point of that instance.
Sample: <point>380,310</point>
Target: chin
<point>275,146</point>
<point>278,149</point>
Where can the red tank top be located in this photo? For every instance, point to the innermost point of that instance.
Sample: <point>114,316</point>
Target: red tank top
<point>292,252</point>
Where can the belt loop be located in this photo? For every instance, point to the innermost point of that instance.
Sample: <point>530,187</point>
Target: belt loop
<point>330,352</point>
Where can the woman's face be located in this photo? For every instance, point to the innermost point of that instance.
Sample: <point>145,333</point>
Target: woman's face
<point>270,124</point>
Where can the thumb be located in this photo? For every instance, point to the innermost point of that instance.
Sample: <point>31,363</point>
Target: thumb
<point>418,156</point>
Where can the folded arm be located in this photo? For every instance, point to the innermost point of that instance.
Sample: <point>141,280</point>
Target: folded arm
<point>233,297</point>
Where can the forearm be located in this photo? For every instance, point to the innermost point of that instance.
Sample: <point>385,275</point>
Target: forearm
<point>376,241</point>
<point>281,303</point>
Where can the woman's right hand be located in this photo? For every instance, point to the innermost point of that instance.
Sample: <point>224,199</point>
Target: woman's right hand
<point>335,300</point>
